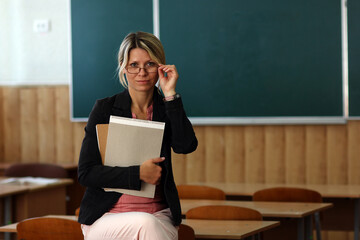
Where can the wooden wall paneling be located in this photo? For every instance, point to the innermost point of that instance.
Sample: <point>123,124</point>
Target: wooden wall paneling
<point>254,154</point>
<point>46,115</point>
<point>214,154</point>
<point>353,148</point>
<point>11,103</point>
<point>2,154</point>
<point>274,154</point>
<point>337,163</point>
<point>295,166</point>
<point>29,125</point>
<point>337,235</point>
<point>316,163</point>
<point>179,168</point>
<point>78,128</point>
<point>64,134</point>
<point>350,236</point>
<point>195,164</point>
<point>234,154</point>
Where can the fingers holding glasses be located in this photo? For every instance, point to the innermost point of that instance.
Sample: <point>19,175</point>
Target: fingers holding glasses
<point>168,80</point>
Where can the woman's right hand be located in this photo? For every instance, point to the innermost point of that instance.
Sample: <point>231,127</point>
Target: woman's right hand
<point>150,171</point>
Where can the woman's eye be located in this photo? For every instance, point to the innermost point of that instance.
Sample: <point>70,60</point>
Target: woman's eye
<point>151,64</point>
<point>133,64</point>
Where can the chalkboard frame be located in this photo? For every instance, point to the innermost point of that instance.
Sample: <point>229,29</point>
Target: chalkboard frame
<point>253,120</point>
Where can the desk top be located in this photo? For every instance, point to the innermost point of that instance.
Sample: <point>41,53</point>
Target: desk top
<point>68,166</point>
<point>215,229</point>
<point>326,190</point>
<point>224,229</point>
<point>10,189</point>
<point>267,209</point>
<point>7,189</point>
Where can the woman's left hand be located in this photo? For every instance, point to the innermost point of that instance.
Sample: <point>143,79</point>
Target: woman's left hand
<point>168,82</point>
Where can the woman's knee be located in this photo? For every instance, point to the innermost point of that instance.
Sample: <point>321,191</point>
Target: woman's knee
<point>147,221</point>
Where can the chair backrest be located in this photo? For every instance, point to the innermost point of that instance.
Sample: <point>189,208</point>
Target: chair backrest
<point>186,232</point>
<point>77,211</point>
<point>36,170</point>
<point>287,194</point>
<point>49,228</point>
<point>222,212</point>
<point>200,192</point>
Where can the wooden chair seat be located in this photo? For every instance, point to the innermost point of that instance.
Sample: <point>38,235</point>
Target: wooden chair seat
<point>292,194</point>
<point>186,232</point>
<point>49,228</point>
<point>200,192</point>
<point>221,212</point>
<point>287,194</point>
<point>77,211</point>
<point>45,170</point>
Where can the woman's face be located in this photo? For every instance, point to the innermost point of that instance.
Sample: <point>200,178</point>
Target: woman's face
<point>146,78</point>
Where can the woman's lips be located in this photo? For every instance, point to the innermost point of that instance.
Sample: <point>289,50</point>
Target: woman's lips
<point>142,81</point>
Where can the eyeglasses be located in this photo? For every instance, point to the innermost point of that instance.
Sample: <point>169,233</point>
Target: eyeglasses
<point>149,68</point>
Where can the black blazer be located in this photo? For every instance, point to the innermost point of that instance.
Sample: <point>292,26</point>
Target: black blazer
<point>178,135</point>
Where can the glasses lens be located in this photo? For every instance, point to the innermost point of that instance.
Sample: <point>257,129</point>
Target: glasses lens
<point>133,69</point>
<point>152,69</point>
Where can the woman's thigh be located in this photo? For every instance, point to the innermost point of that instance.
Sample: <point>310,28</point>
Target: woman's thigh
<point>132,226</point>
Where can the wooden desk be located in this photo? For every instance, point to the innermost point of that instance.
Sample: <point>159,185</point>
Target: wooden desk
<point>346,200</point>
<point>33,200</point>
<point>215,229</point>
<point>74,191</point>
<point>6,192</point>
<point>301,211</point>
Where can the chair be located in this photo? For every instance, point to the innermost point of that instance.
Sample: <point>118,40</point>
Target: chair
<point>223,212</point>
<point>200,192</point>
<point>186,232</point>
<point>49,228</point>
<point>77,211</point>
<point>45,170</point>
<point>291,194</point>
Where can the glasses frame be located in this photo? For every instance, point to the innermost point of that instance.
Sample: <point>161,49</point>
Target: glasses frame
<point>145,69</point>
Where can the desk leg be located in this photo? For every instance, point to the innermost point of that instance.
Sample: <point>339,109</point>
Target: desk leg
<point>300,229</point>
<point>308,228</point>
<point>356,218</point>
<point>7,215</point>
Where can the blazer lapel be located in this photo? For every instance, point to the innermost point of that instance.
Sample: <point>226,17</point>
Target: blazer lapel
<point>122,105</point>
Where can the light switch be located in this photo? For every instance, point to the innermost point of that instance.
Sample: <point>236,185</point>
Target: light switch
<point>41,25</point>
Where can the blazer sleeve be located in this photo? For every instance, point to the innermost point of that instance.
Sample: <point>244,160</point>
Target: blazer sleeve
<point>91,171</point>
<point>183,139</point>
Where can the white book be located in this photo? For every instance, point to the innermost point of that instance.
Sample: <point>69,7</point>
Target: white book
<point>29,181</point>
<point>131,142</point>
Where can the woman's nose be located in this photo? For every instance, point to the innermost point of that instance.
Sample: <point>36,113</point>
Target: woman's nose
<point>143,71</point>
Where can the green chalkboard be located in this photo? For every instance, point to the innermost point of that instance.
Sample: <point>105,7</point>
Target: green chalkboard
<point>97,30</point>
<point>255,58</point>
<point>354,57</point>
<point>235,58</point>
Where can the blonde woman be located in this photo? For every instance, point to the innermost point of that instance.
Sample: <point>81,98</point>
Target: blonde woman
<point>111,215</point>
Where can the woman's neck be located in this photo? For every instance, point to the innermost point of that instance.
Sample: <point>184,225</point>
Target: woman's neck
<point>140,102</point>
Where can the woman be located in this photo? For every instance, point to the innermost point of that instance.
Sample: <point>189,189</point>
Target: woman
<point>112,215</point>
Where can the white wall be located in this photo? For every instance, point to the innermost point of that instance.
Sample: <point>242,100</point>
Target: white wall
<point>30,58</point>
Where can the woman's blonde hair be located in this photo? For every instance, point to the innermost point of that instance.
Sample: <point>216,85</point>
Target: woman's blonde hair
<point>143,40</point>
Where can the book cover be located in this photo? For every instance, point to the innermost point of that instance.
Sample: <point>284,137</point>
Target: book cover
<point>130,142</point>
